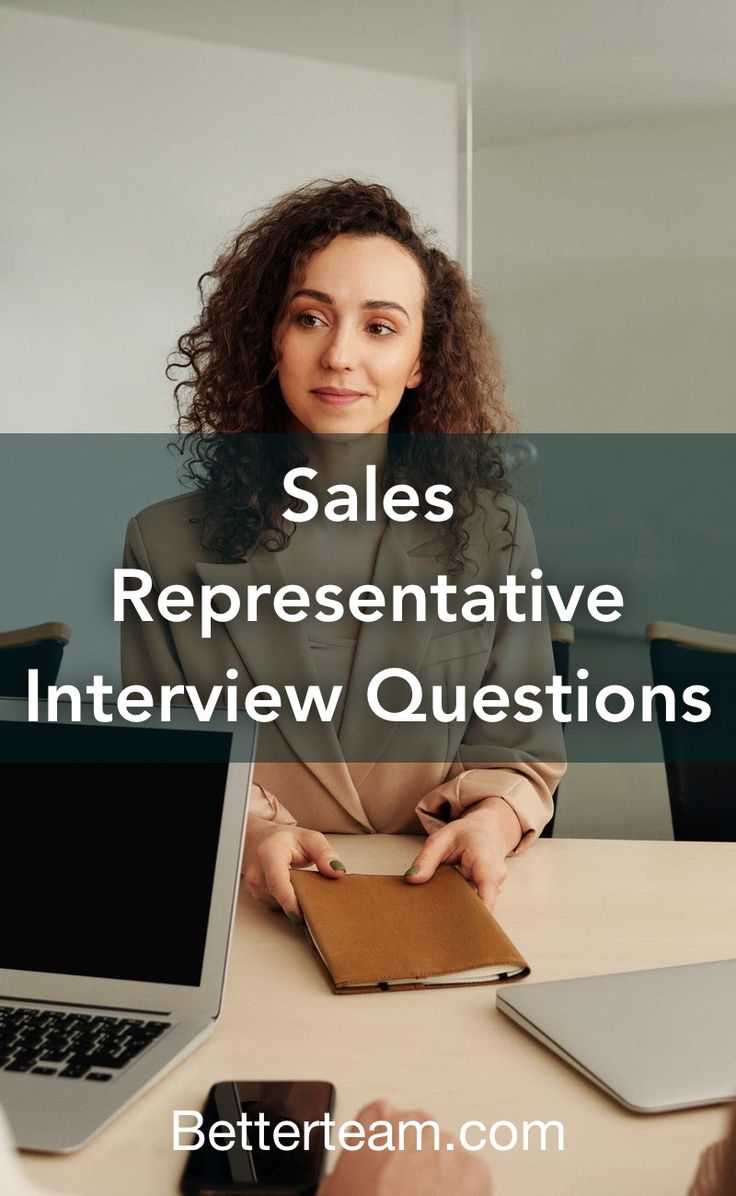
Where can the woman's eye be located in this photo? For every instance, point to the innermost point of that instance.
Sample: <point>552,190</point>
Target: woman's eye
<point>307,320</point>
<point>378,329</point>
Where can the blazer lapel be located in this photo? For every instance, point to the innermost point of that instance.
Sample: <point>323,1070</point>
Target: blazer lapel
<point>276,653</point>
<point>403,558</point>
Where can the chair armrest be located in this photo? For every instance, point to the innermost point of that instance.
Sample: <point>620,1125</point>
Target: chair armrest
<point>691,637</point>
<point>562,633</point>
<point>24,637</point>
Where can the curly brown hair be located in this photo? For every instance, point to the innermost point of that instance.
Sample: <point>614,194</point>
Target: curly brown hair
<point>230,382</point>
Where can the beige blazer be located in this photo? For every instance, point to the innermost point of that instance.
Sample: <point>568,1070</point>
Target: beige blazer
<point>356,784</point>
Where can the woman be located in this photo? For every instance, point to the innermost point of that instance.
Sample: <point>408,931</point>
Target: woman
<point>332,320</point>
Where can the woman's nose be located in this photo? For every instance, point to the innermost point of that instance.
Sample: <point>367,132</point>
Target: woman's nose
<point>339,352</point>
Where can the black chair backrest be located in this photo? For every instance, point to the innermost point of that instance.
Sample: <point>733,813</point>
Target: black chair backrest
<point>700,758</point>
<point>40,647</point>
<point>562,637</point>
<point>561,653</point>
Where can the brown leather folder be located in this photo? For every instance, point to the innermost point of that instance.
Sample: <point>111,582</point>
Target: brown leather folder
<point>377,933</point>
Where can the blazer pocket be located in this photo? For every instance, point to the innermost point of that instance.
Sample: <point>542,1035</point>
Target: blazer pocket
<point>456,644</point>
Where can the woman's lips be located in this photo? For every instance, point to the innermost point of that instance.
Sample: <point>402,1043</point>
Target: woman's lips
<point>337,397</point>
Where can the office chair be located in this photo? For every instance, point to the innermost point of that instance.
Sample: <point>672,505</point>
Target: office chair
<point>563,635</point>
<point>40,647</point>
<point>700,758</point>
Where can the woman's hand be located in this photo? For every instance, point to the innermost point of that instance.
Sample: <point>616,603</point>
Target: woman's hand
<point>406,1172</point>
<point>271,849</point>
<point>477,843</point>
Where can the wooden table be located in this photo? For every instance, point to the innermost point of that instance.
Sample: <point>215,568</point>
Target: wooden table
<point>574,907</point>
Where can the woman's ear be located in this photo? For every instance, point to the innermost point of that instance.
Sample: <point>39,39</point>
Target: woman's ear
<point>415,376</point>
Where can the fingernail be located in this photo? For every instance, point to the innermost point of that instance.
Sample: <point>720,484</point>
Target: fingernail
<point>293,918</point>
<point>413,871</point>
<point>337,866</point>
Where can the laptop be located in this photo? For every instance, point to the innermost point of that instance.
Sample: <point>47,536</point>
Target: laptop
<point>654,1040</point>
<point>121,858</point>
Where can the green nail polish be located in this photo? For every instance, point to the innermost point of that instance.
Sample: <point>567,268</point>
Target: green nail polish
<point>337,866</point>
<point>293,918</point>
<point>413,871</point>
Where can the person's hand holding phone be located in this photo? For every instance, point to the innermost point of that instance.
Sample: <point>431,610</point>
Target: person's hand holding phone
<point>409,1171</point>
<point>272,849</point>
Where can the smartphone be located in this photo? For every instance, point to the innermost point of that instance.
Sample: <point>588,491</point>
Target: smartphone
<point>293,1168</point>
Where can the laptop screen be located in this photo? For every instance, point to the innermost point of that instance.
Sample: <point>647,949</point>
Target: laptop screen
<point>110,841</point>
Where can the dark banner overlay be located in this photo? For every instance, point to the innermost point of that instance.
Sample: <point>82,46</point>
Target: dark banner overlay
<point>370,599</point>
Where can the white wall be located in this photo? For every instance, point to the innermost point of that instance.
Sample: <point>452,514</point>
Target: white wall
<point>130,156</point>
<point>608,260</point>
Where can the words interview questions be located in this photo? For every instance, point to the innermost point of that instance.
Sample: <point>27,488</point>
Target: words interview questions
<point>367,603</point>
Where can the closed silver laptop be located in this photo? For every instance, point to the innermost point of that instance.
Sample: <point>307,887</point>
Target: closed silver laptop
<point>121,857</point>
<point>654,1040</point>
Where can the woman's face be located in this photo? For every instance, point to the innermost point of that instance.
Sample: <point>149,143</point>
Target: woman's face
<point>350,339</point>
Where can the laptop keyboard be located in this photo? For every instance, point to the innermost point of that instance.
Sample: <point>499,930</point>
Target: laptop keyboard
<point>74,1045</point>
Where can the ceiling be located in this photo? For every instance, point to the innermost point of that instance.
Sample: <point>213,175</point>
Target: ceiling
<point>408,36</point>
<point>541,68</point>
